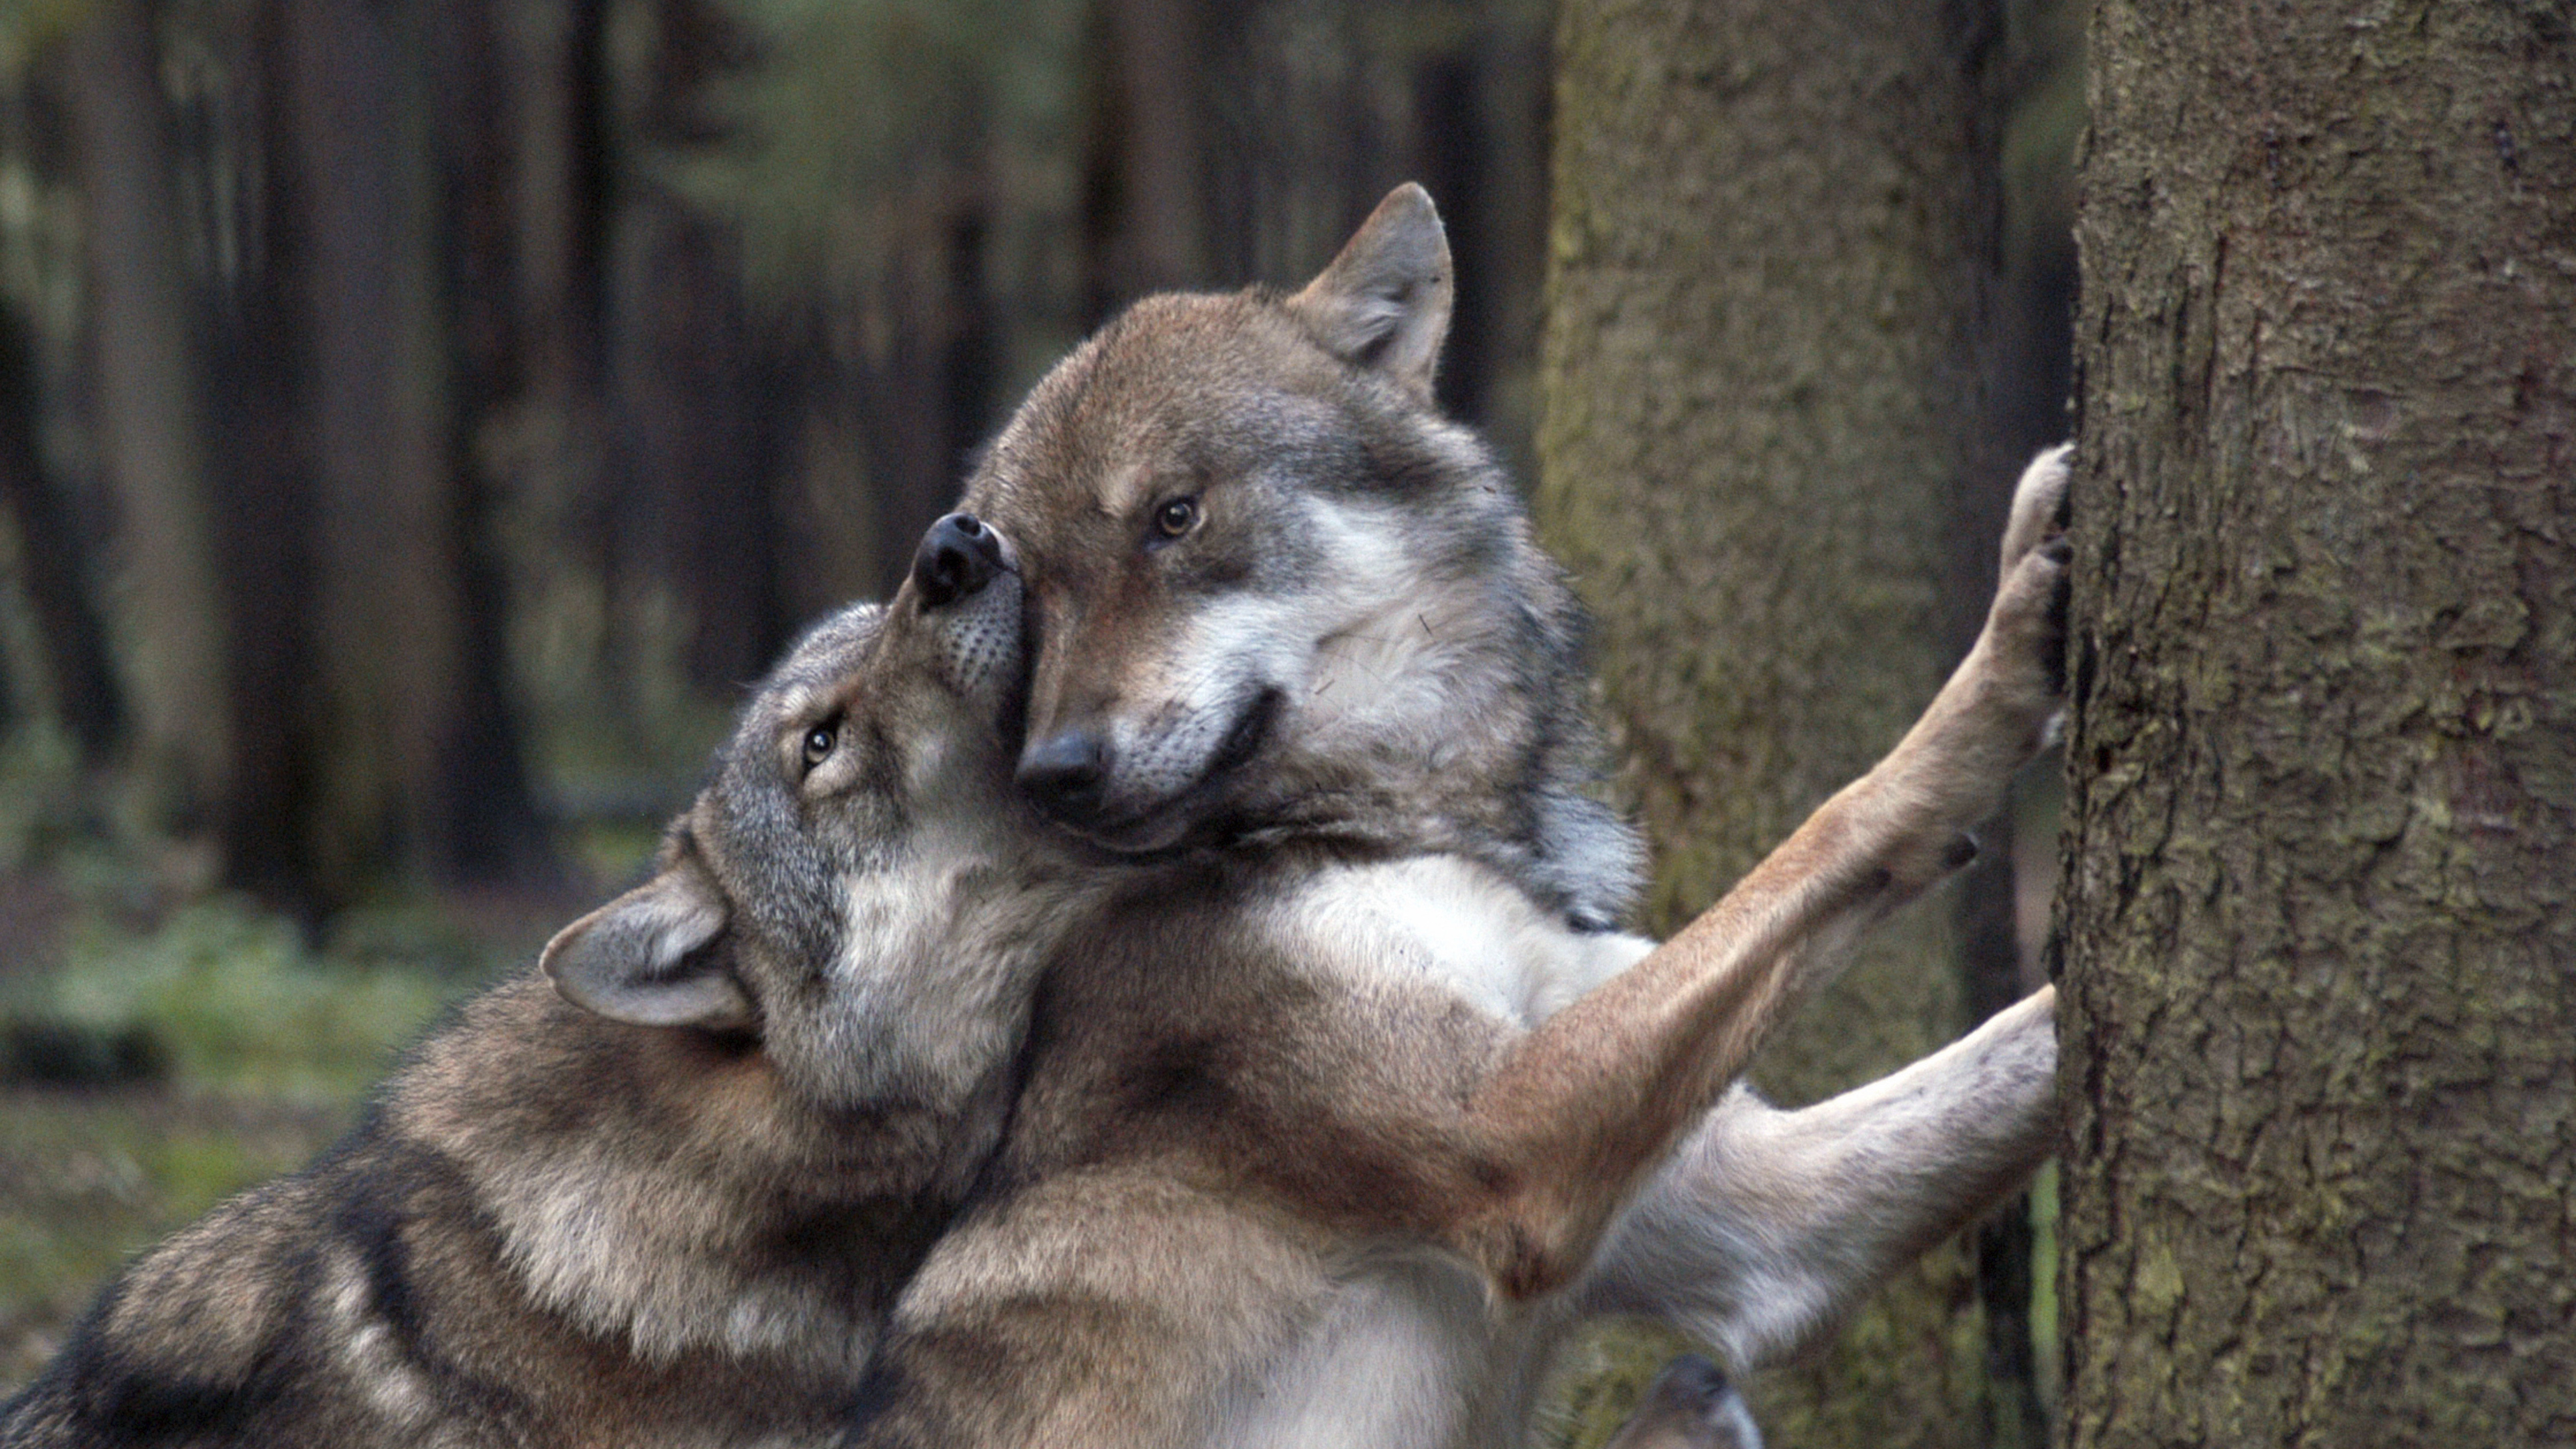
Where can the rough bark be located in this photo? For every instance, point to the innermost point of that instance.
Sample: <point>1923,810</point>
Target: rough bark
<point>1771,241</point>
<point>2317,917</point>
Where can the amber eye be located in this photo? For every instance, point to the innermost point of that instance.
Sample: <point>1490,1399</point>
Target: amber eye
<point>1177,517</point>
<point>818,744</point>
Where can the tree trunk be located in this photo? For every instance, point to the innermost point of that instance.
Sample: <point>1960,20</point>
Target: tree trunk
<point>79,676</point>
<point>390,646</point>
<point>2318,917</point>
<point>151,389</point>
<point>1144,202</point>
<point>1771,243</point>
<point>694,435</point>
<point>263,467</point>
<point>482,823</point>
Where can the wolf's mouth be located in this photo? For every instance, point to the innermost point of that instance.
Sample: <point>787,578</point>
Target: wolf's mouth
<point>1174,819</point>
<point>1245,737</point>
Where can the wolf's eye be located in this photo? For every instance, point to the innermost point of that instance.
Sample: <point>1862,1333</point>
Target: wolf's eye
<point>818,744</point>
<point>1177,516</point>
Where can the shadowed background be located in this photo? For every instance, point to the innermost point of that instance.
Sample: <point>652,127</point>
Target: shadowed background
<point>420,418</point>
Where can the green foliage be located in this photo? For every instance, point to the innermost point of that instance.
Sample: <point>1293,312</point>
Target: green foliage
<point>254,1050</point>
<point>239,1004</point>
<point>28,26</point>
<point>2043,1283</point>
<point>89,1179</point>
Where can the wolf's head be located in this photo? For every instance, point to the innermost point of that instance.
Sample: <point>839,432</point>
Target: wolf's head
<point>1274,590</point>
<point>810,897</point>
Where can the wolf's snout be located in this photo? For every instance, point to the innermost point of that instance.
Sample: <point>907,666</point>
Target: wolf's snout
<point>957,558</point>
<point>1066,773</point>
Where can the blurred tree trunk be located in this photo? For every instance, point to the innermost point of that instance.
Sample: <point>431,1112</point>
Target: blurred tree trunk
<point>694,435</point>
<point>78,671</point>
<point>2318,919</point>
<point>560,505</point>
<point>1145,196</point>
<point>151,389</point>
<point>1481,125</point>
<point>483,824</point>
<point>1772,250</point>
<point>927,382</point>
<point>389,645</point>
<point>264,469</point>
<point>2025,353</point>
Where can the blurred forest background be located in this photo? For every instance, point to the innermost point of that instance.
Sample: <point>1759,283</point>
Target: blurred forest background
<point>420,418</point>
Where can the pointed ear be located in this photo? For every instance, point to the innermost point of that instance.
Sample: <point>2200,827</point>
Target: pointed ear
<point>640,958</point>
<point>1384,302</point>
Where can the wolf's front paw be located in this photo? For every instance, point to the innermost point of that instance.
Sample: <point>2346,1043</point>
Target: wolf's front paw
<point>2039,504</point>
<point>2025,635</point>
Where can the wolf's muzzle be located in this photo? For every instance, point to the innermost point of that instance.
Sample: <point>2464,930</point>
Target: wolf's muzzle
<point>1066,774</point>
<point>957,558</point>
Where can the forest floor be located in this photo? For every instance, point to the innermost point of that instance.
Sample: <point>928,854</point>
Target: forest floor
<point>161,1051</point>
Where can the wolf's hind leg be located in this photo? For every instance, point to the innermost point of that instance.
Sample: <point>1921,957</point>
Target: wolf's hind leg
<point>1768,1226</point>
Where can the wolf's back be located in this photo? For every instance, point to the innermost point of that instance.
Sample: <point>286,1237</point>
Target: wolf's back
<point>288,1316</point>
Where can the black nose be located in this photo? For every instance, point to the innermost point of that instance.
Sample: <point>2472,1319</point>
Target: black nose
<point>1066,773</point>
<point>958,557</point>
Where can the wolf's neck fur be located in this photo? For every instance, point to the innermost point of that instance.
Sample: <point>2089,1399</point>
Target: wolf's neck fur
<point>689,1201</point>
<point>1455,718</point>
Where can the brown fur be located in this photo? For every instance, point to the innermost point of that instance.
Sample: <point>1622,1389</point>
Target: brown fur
<point>1263,1072</point>
<point>674,1214</point>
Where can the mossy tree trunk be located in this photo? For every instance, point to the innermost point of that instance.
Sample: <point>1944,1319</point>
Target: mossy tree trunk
<point>2317,920</point>
<point>1771,251</point>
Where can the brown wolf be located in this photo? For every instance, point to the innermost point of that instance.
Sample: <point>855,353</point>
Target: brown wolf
<point>1329,1113</point>
<point>674,1213</point>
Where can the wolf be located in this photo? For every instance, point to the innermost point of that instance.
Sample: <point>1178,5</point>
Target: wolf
<point>662,1188</point>
<point>1333,1118</point>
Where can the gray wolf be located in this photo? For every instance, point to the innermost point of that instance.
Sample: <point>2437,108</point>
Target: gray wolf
<point>662,1190</point>
<point>1332,1111</point>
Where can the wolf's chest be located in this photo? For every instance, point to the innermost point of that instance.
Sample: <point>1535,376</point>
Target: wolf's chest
<point>1452,926</point>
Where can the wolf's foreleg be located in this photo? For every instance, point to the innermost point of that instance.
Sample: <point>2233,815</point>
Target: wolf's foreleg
<point>1570,1120</point>
<point>1769,1226</point>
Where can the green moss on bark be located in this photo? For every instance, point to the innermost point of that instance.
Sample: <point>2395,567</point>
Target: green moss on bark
<point>2323,768</point>
<point>1765,275</point>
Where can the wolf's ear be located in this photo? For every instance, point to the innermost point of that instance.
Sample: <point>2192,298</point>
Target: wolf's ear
<point>1384,302</point>
<point>639,958</point>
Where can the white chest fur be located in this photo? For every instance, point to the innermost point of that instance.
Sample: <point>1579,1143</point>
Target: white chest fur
<point>1451,923</point>
<point>1412,1353</point>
